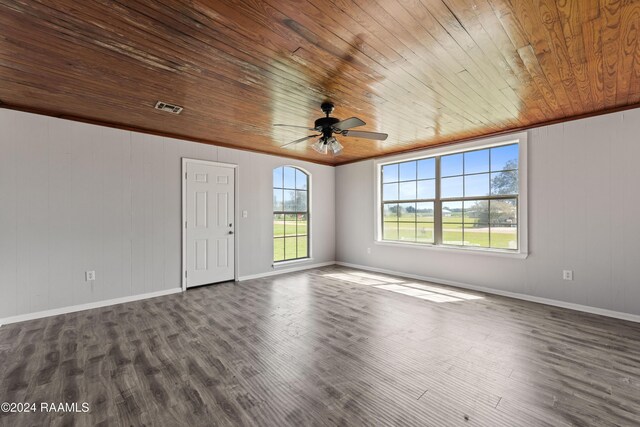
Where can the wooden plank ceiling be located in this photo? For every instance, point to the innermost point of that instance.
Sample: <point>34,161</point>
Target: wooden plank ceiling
<point>424,71</point>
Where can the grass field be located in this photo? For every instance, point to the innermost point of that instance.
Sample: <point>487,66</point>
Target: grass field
<point>470,234</point>
<point>282,229</point>
<point>290,248</point>
<point>499,238</point>
<point>409,231</point>
<point>290,237</point>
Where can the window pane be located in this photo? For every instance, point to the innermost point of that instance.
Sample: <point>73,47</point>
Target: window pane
<point>476,235</point>
<point>407,212</point>
<point>476,211</point>
<point>289,177</point>
<point>452,234</point>
<point>290,248</point>
<point>277,177</point>
<point>302,224</point>
<point>290,195</point>
<point>505,182</point>
<point>476,185</point>
<point>476,161</point>
<point>451,187</point>
<point>504,212</point>
<point>408,171</point>
<point>424,211</point>
<point>278,198</point>
<point>290,200</point>
<point>302,247</point>
<point>451,165</point>
<point>301,201</point>
<point>278,225</point>
<point>504,236</point>
<point>278,249</point>
<point>474,174</point>
<point>452,212</point>
<point>408,190</point>
<point>390,212</point>
<point>390,192</point>
<point>505,157</point>
<point>424,232</point>
<point>407,231</point>
<point>390,173</point>
<point>301,180</point>
<point>427,189</point>
<point>290,227</point>
<point>427,168</point>
<point>390,230</point>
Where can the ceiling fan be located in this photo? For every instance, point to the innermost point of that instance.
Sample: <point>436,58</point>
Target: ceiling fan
<point>327,126</point>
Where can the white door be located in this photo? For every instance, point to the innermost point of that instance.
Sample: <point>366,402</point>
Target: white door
<point>209,223</point>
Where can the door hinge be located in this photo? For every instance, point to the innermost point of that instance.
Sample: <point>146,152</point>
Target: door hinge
<point>185,224</point>
<point>185,175</point>
<point>185,273</point>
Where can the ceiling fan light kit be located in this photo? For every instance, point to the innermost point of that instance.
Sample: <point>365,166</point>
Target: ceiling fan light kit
<point>319,146</point>
<point>327,126</point>
<point>335,147</point>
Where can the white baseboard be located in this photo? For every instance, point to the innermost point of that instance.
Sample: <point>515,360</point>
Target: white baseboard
<point>525,297</point>
<point>104,303</point>
<point>555,303</point>
<point>285,270</point>
<point>81,307</point>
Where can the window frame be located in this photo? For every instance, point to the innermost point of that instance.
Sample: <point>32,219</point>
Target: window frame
<point>283,212</point>
<point>479,144</point>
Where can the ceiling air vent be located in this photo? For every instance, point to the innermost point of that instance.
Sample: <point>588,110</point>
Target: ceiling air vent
<point>169,108</point>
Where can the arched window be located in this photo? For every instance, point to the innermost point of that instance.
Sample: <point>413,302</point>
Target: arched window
<point>290,214</point>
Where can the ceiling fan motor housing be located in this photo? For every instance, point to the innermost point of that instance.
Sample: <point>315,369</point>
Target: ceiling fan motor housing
<point>325,125</point>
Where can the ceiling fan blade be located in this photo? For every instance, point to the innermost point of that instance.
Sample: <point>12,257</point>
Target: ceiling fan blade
<point>368,135</point>
<point>299,140</point>
<point>294,126</point>
<point>348,124</point>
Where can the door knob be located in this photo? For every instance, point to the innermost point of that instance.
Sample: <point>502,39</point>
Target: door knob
<point>231,232</point>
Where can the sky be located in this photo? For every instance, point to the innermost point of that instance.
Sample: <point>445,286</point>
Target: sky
<point>483,165</point>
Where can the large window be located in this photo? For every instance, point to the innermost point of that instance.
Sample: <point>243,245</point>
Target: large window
<point>465,199</point>
<point>290,214</point>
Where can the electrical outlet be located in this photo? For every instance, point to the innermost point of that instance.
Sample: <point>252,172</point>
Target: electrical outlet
<point>567,274</point>
<point>90,275</point>
<point>245,214</point>
<point>369,250</point>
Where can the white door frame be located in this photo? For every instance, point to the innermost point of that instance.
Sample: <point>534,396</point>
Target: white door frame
<point>186,160</point>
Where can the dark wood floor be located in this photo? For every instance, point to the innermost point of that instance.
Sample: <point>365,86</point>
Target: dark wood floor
<point>325,347</point>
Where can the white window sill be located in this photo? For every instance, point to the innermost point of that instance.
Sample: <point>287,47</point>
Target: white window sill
<point>453,249</point>
<point>282,264</point>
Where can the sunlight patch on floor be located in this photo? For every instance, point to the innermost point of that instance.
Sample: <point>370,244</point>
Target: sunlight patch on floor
<point>436,289</point>
<point>416,290</point>
<point>354,279</point>
<point>363,278</point>
<point>418,293</point>
<point>377,277</point>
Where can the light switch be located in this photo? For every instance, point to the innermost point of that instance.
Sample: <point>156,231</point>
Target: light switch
<point>245,214</point>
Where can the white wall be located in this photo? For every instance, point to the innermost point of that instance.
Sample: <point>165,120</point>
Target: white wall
<point>584,215</point>
<point>77,197</point>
